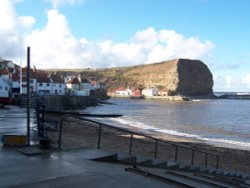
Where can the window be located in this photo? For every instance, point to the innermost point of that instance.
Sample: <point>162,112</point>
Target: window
<point>48,85</point>
<point>41,84</point>
<point>60,85</point>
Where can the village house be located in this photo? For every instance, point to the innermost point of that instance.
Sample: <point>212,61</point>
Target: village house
<point>5,75</point>
<point>4,88</point>
<point>15,84</point>
<point>58,85</point>
<point>73,86</point>
<point>121,92</point>
<point>85,87</point>
<point>44,85</point>
<point>150,92</point>
<point>164,92</point>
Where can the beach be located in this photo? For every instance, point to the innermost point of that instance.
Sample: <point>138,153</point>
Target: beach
<point>79,134</point>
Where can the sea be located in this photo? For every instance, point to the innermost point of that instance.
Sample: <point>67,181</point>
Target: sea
<point>220,122</point>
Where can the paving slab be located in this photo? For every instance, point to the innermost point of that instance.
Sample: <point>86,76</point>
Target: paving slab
<point>64,169</point>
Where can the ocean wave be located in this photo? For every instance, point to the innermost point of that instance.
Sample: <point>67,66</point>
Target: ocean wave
<point>144,126</point>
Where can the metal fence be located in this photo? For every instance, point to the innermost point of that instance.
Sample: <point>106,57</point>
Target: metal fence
<point>132,134</point>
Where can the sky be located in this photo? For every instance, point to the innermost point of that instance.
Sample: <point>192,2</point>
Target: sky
<point>116,33</point>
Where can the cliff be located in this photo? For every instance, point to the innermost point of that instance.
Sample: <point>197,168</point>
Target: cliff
<point>179,76</point>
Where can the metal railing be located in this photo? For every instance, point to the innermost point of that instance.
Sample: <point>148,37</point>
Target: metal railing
<point>132,134</point>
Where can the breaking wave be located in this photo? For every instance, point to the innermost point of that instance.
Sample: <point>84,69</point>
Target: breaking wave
<point>144,126</point>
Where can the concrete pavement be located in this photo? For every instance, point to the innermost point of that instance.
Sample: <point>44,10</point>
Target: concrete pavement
<point>56,168</point>
<point>66,168</point>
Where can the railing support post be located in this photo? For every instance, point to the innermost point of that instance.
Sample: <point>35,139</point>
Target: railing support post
<point>131,143</point>
<point>206,158</point>
<point>60,133</point>
<point>192,160</point>
<point>156,148</point>
<point>217,161</point>
<point>99,136</point>
<point>176,153</point>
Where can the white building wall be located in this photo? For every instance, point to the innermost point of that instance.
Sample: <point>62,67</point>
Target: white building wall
<point>150,92</point>
<point>58,88</point>
<point>46,88</point>
<point>15,84</point>
<point>4,88</point>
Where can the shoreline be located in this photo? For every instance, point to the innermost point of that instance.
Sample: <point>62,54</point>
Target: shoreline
<point>79,134</point>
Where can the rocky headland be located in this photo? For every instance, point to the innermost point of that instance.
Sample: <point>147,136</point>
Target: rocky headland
<point>179,77</point>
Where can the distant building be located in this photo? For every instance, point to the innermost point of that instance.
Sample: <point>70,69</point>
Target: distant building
<point>121,92</point>
<point>58,85</point>
<point>85,87</point>
<point>4,88</point>
<point>164,92</point>
<point>136,93</point>
<point>150,92</point>
<point>73,86</point>
<point>44,85</point>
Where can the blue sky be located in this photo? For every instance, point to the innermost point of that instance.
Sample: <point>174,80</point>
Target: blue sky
<point>108,33</point>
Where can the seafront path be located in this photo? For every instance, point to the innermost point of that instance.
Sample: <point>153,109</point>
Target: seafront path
<point>57,168</point>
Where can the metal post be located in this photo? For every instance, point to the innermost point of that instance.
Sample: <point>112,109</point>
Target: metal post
<point>156,148</point>
<point>217,161</point>
<point>192,160</point>
<point>99,137</point>
<point>28,96</point>
<point>131,143</point>
<point>206,160</point>
<point>60,133</point>
<point>176,153</point>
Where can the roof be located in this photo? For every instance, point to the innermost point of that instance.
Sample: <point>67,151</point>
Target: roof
<point>43,80</point>
<point>73,81</point>
<point>57,79</point>
<point>84,81</point>
<point>15,77</point>
<point>4,72</point>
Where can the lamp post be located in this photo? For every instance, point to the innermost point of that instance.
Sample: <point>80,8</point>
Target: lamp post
<point>28,96</point>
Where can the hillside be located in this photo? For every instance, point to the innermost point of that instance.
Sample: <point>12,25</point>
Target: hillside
<point>180,76</point>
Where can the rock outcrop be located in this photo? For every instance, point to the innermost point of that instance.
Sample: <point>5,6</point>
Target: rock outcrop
<point>180,76</point>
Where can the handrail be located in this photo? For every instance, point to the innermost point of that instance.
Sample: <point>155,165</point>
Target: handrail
<point>132,133</point>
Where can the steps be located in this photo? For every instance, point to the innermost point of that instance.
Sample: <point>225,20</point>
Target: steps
<point>179,175</point>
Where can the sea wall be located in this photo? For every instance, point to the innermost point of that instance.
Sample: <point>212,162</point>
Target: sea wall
<point>66,102</point>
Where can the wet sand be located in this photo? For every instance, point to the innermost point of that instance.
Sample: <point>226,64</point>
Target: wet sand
<point>79,134</point>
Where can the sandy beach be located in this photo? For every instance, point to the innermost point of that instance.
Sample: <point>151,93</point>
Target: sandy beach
<point>80,134</point>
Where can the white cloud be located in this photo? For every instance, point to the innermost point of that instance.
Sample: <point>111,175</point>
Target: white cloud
<point>10,38</point>
<point>57,3</point>
<point>26,21</point>
<point>55,46</point>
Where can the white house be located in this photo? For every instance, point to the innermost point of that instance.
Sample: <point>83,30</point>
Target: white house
<point>33,80</point>
<point>58,85</point>
<point>121,92</point>
<point>4,88</point>
<point>73,86</point>
<point>85,87</point>
<point>5,75</point>
<point>44,85</point>
<point>153,91</point>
